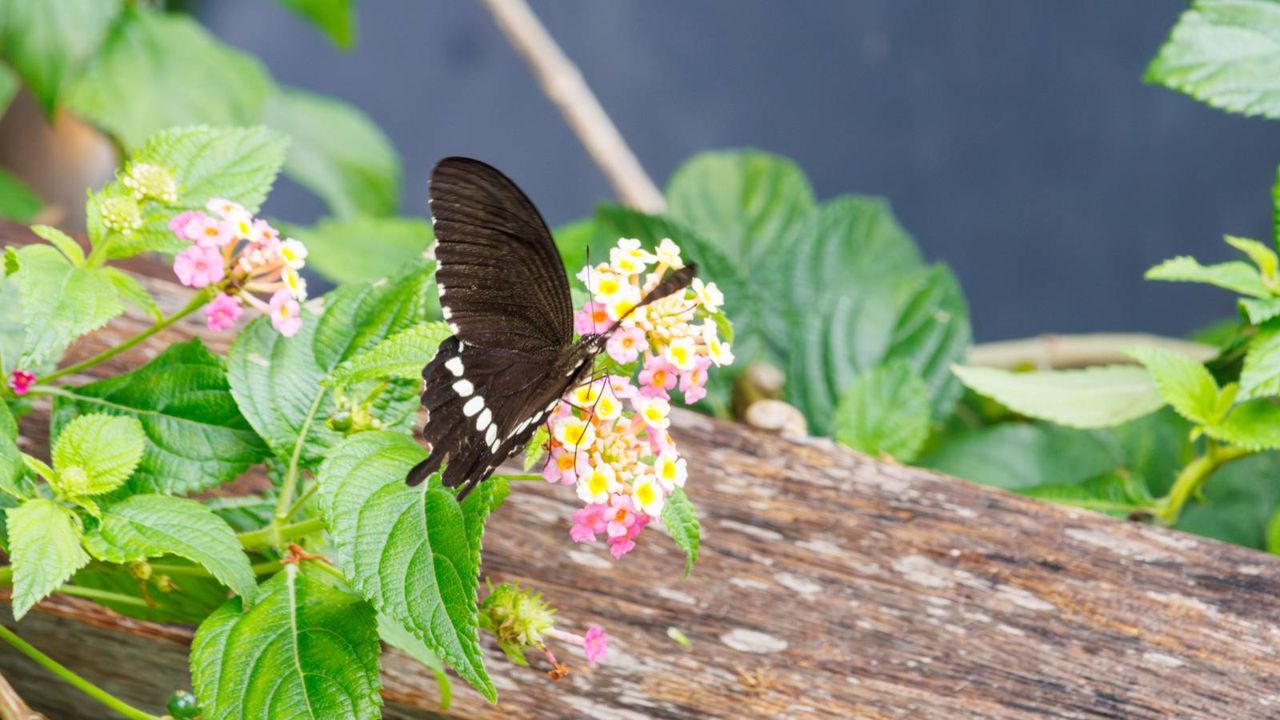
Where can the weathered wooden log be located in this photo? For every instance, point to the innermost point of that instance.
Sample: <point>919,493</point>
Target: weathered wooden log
<point>829,585</point>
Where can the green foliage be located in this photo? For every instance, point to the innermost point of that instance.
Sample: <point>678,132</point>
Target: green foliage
<point>47,41</point>
<point>1089,398</point>
<point>55,237</point>
<point>44,545</point>
<point>1020,456</point>
<point>680,518</point>
<point>12,468</point>
<point>1184,383</point>
<point>95,454</point>
<point>145,526</point>
<point>335,18</point>
<point>196,438</point>
<point>337,153</point>
<point>413,553</point>
<point>305,650</point>
<point>400,356</point>
<point>397,637</point>
<point>1236,276</point>
<point>1225,53</point>
<point>1260,376</point>
<point>365,249</point>
<point>1239,500</point>
<point>885,411</point>
<point>17,201</point>
<point>188,598</point>
<point>60,302</point>
<point>137,85</point>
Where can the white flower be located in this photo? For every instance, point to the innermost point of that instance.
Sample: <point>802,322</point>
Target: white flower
<point>719,352</point>
<point>654,411</point>
<point>681,353</point>
<point>709,296</point>
<point>575,434</point>
<point>669,254</point>
<point>597,485</point>
<point>648,496</point>
<point>294,283</point>
<point>294,253</point>
<point>671,470</point>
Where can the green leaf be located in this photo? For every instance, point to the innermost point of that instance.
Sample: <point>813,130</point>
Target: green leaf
<point>9,86</point>
<point>335,18</point>
<point>1184,383</point>
<point>133,87</point>
<point>95,454</point>
<point>342,251</point>
<point>1273,533</point>
<point>45,550</point>
<point>196,438</point>
<point>17,201</point>
<point>573,241</point>
<point>1116,493</point>
<point>1089,398</point>
<point>399,638</point>
<point>305,650</point>
<point>1019,456</point>
<point>147,526</point>
<point>132,291</point>
<point>1239,501</point>
<point>12,468</point>
<point>238,164</point>
<point>1254,425</point>
<point>1261,255</point>
<point>1225,53</point>
<point>1260,376</point>
<point>885,411</point>
<point>191,598</point>
<point>60,302</point>
<point>55,237</point>
<point>1236,276</point>
<point>279,382</point>
<point>337,152</point>
<point>47,41</point>
<point>680,519</point>
<point>1258,311</point>
<point>402,355</point>
<point>413,552</point>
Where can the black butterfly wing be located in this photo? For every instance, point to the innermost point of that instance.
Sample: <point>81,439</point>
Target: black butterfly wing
<point>501,280</point>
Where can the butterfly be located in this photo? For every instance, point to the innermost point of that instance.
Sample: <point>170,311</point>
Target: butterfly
<point>505,295</point>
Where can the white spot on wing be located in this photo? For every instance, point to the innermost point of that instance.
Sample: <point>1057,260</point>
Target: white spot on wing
<point>485,420</point>
<point>463,387</point>
<point>491,436</point>
<point>455,366</point>
<point>473,406</point>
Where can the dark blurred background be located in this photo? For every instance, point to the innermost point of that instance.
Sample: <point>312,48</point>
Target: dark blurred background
<point>1015,139</point>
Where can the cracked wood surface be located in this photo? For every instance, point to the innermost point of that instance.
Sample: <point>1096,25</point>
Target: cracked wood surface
<point>829,585</point>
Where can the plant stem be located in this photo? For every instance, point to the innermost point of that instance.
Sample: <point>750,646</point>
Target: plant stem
<point>520,477</point>
<point>1192,478</point>
<point>262,568</point>
<point>75,680</point>
<point>302,500</point>
<point>102,595</point>
<point>272,535</point>
<point>196,302</point>
<point>290,484</point>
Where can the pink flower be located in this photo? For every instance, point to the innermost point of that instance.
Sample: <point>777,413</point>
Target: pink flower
<point>286,314</point>
<point>657,377</point>
<point>563,467</point>
<point>621,516</point>
<point>694,382</point>
<point>626,344</point>
<point>595,644</point>
<point>592,318</point>
<point>178,225</point>
<point>262,232</point>
<point>20,381</point>
<point>199,266</point>
<point>222,312</point>
<point>209,232</point>
<point>588,523</point>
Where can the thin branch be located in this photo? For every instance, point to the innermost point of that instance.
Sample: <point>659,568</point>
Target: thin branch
<point>564,85</point>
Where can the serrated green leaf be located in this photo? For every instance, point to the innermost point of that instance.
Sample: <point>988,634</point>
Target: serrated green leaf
<point>1225,53</point>
<point>306,650</point>
<point>131,291</point>
<point>1260,376</point>
<point>402,355</point>
<point>45,550</point>
<point>37,466</point>
<point>95,454</point>
<point>47,41</point>
<point>1236,276</point>
<point>338,153</point>
<point>335,18</point>
<point>399,638</point>
<point>60,302</point>
<point>1261,255</point>
<point>17,201</point>
<point>680,518</point>
<point>1088,398</point>
<point>885,411</point>
<point>344,252</point>
<point>148,526</point>
<point>278,382</point>
<point>196,438</point>
<point>413,552</point>
<point>536,449</point>
<point>1258,311</point>
<point>55,237</point>
<point>1184,383</point>
<point>132,88</point>
<point>1019,456</point>
<point>12,468</point>
<point>1254,425</point>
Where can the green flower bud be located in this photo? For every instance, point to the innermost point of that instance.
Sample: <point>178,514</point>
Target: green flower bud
<point>151,181</point>
<point>121,214</point>
<point>517,618</point>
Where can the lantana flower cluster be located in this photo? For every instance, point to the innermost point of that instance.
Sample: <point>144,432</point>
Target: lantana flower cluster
<point>609,438</point>
<point>243,257</point>
<point>522,621</point>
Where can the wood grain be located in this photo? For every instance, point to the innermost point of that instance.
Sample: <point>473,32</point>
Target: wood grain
<point>830,585</point>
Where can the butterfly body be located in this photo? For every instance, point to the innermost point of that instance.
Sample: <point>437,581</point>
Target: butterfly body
<point>505,295</point>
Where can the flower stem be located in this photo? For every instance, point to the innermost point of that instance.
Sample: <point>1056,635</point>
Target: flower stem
<point>519,477</point>
<point>196,302</point>
<point>1192,478</point>
<point>272,535</point>
<point>75,680</point>
<point>102,595</point>
<point>285,502</point>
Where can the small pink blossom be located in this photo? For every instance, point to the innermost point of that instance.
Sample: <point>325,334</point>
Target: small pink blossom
<point>626,344</point>
<point>222,312</point>
<point>693,383</point>
<point>595,644</point>
<point>20,381</point>
<point>657,377</point>
<point>621,515</point>
<point>286,314</point>
<point>262,232</point>
<point>178,225</point>
<point>199,266</point>
<point>593,318</point>
<point>588,522</point>
<point>209,232</point>
<point>623,544</point>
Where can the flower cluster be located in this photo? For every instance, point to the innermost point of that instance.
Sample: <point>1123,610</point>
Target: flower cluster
<point>521,621</point>
<point>610,437</point>
<point>241,255</point>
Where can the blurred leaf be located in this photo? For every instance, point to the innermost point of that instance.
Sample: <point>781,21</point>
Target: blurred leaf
<point>12,468</point>
<point>1254,425</point>
<point>365,249</point>
<point>1273,533</point>
<point>1183,382</point>
<point>1154,447</point>
<point>402,355</point>
<point>335,18</point>
<point>17,201</point>
<point>1259,311</point>
<point>1261,255</point>
<point>337,152</point>
<point>1225,53</point>
<point>574,241</point>
<point>69,248</point>
<point>134,87</point>
<point>46,41</point>
<point>95,454</point>
<point>1237,276</point>
<point>1017,456</point>
<point>1114,493</point>
<point>132,291</point>
<point>1089,398</point>
<point>60,302</point>
<point>1240,500</point>
<point>885,410</point>
<point>45,544</point>
<point>680,518</point>
<point>190,600</point>
<point>1261,374</point>
<point>9,82</point>
<point>397,637</point>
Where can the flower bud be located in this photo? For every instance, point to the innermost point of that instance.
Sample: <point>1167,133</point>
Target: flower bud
<point>121,214</point>
<point>151,181</point>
